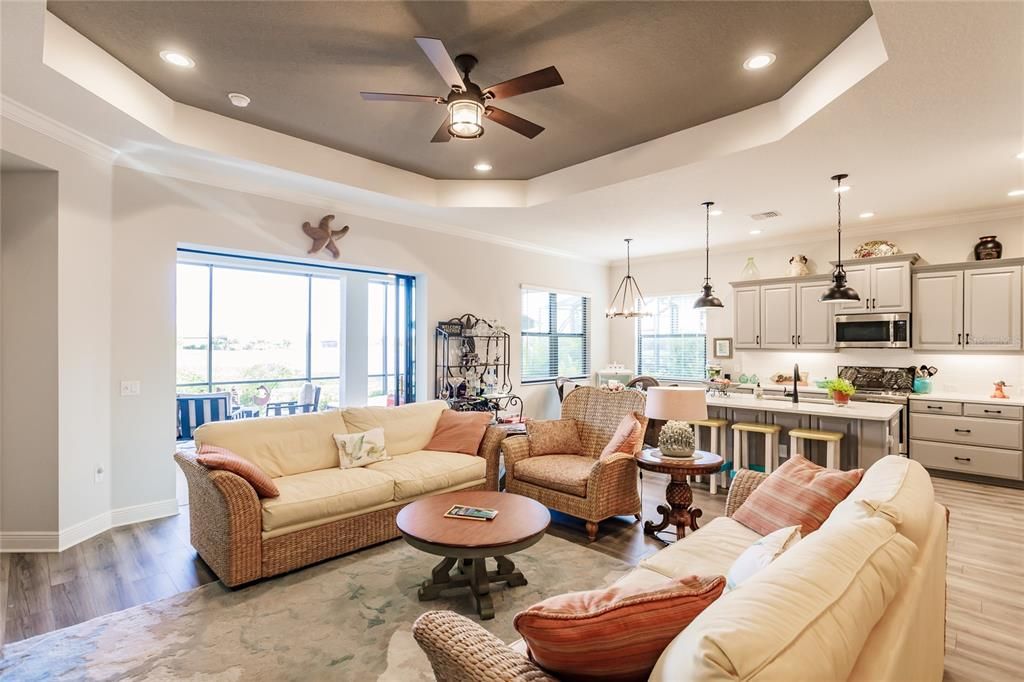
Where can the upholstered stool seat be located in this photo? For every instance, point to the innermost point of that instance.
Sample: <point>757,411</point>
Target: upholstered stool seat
<point>741,458</point>
<point>716,445</point>
<point>833,438</point>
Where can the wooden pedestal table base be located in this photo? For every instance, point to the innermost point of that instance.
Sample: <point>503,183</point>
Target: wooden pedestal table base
<point>679,511</point>
<point>466,544</point>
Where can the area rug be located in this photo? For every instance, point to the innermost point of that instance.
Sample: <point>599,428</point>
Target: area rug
<point>346,619</point>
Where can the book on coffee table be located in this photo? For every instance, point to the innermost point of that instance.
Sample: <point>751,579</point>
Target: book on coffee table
<point>460,511</point>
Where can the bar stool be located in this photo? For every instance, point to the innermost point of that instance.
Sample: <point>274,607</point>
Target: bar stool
<point>741,458</point>
<point>716,444</point>
<point>833,439</point>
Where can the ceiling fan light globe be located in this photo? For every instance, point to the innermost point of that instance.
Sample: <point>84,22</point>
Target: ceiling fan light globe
<point>465,119</point>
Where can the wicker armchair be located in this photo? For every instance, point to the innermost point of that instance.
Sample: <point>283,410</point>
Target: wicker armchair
<point>461,651</point>
<point>601,487</point>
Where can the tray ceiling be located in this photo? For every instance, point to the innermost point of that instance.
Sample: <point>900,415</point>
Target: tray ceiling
<point>633,71</point>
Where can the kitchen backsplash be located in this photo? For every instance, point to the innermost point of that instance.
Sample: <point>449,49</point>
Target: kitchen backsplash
<point>966,373</point>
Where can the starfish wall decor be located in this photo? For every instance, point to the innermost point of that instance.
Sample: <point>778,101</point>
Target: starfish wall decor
<point>323,235</point>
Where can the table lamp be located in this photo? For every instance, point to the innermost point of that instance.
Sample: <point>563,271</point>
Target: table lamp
<point>676,405</point>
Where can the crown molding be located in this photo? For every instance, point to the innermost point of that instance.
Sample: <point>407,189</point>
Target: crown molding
<point>40,123</point>
<point>967,216</point>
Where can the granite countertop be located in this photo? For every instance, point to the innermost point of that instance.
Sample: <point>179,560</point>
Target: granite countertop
<point>1014,401</point>
<point>855,410</point>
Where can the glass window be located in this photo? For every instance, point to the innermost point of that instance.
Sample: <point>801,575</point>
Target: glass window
<point>193,307</point>
<point>325,327</point>
<point>671,339</point>
<point>556,335</point>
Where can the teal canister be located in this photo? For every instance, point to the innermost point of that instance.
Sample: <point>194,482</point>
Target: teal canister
<point>922,385</point>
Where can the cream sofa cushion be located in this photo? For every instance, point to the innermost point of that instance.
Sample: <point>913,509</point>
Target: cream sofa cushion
<point>321,494</point>
<point>407,428</point>
<point>804,617</point>
<point>709,551</point>
<point>417,473</point>
<point>281,446</point>
<point>895,488</point>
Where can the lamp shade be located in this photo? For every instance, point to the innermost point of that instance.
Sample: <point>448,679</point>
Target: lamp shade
<point>676,403</point>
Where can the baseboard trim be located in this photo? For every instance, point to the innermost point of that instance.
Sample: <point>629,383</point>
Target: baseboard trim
<point>143,512</point>
<point>51,541</point>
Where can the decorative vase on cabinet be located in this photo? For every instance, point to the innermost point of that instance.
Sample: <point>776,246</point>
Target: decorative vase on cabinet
<point>988,248</point>
<point>750,270</point>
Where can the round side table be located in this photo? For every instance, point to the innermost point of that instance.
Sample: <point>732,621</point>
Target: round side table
<point>679,511</point>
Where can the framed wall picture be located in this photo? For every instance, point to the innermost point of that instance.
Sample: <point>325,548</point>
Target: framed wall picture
<point>722,347</point>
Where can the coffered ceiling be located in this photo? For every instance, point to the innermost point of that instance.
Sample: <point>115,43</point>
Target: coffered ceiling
<point>633,71</point>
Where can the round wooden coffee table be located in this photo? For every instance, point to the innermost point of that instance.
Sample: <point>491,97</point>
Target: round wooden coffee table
<point>679,511</point>
<point>466,544</point>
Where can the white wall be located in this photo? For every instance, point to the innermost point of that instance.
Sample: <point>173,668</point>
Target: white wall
<point>29,467</point>
<point>964,372</point>
<point>154,214</point>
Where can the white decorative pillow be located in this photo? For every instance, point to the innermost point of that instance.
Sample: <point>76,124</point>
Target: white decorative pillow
<point>760,554</point>
<point>360,449</point>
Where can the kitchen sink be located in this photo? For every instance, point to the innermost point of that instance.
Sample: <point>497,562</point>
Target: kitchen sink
<point>789,399</point>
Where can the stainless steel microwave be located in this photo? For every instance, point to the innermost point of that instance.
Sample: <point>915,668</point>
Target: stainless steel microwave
<point>873,330</point>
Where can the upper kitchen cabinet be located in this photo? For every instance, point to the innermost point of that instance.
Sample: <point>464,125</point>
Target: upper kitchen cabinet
<point>778,316</point>
<point>992,309</point>
<point>883,284</point>
<point>815,326</point>
<point>746,315</point>
<point>969,308</point>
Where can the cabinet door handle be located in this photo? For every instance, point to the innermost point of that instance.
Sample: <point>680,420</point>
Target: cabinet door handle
<point>962,459</point>
<point>874,303</point>
<point>798,339</point>
<point>792,339</point>
<point>962,430</point>
<point>993,411</point>
<point>933,407</point>
<point>758,342</point>
<point>960,339</point>
<point>967,338</point>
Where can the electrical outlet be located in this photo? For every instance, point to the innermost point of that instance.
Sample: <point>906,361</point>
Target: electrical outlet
<point>131,388</point>
<point>99,474</point>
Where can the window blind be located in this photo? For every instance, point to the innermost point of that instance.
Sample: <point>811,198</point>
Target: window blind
<point>555,335</point>
<point>672,339</point>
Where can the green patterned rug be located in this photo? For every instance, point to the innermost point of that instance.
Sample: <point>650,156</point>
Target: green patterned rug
<point>347,619</point>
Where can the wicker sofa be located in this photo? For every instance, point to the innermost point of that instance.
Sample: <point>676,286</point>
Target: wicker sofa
<point>862,598</point>
<point>322,511</point>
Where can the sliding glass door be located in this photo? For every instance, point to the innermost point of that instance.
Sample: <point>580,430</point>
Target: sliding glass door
<point>260,330</point>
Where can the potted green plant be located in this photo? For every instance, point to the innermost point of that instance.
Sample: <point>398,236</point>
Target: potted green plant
<point>840,391</point>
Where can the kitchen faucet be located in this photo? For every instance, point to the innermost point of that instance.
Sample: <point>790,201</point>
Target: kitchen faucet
<point>796,378</point>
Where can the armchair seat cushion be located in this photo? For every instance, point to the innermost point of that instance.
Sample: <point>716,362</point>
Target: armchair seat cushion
<point>424,471</point>
<point>325,493</point>
<point>565,473</point>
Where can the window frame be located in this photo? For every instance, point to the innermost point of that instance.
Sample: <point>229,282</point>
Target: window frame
<point>640,336</point>
<point>553,335</point>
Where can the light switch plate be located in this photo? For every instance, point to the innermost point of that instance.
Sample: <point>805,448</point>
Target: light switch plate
<point>129,388</point>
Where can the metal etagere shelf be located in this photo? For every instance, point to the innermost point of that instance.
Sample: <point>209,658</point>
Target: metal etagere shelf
<point>471,362</point>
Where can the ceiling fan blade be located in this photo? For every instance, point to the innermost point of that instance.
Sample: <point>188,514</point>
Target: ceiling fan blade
<point>538,80</point>
<point>394,97</point>
<point>442,61</point>
<point>513,122</point>
<point>442,134</point>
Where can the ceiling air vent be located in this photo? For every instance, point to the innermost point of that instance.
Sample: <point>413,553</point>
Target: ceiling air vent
<point>765,216</point>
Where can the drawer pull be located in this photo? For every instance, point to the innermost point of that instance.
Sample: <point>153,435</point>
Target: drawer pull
<point>993,411</point>
<point>962,430</point>
<point>935,407</point>
<point>962,459</point>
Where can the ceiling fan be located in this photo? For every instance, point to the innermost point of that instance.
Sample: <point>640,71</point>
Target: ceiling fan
<point>467,102</point>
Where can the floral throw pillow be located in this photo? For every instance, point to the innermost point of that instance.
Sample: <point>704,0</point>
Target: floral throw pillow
<point>360,449</point>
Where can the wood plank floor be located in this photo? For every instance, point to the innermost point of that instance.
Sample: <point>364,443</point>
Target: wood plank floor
<point>139,563</point>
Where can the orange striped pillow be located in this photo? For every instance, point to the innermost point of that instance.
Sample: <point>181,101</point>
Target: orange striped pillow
<point>612,634</point>
<point>798,493</point>
<point>214,457</point>
<point>628,436</point>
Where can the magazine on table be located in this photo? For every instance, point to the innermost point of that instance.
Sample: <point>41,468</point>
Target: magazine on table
<point>461,511</point>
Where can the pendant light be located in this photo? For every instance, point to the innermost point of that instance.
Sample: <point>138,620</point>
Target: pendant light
<point>623,303</point>
<point>839,292</point>
<point>707,299</point>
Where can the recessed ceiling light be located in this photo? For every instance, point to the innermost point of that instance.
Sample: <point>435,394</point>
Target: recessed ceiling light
<point>759,61</point>
<point>867,214</point>
<point>755,232</point>
<point>716,212</point>
<point>238,99</point>
<point>841,188</point>
<point>1016,193</point>
<point>177,59</point>
<point>482,167</point>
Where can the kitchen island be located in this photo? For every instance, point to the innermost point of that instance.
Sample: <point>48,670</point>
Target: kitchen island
<point>870,430</point>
